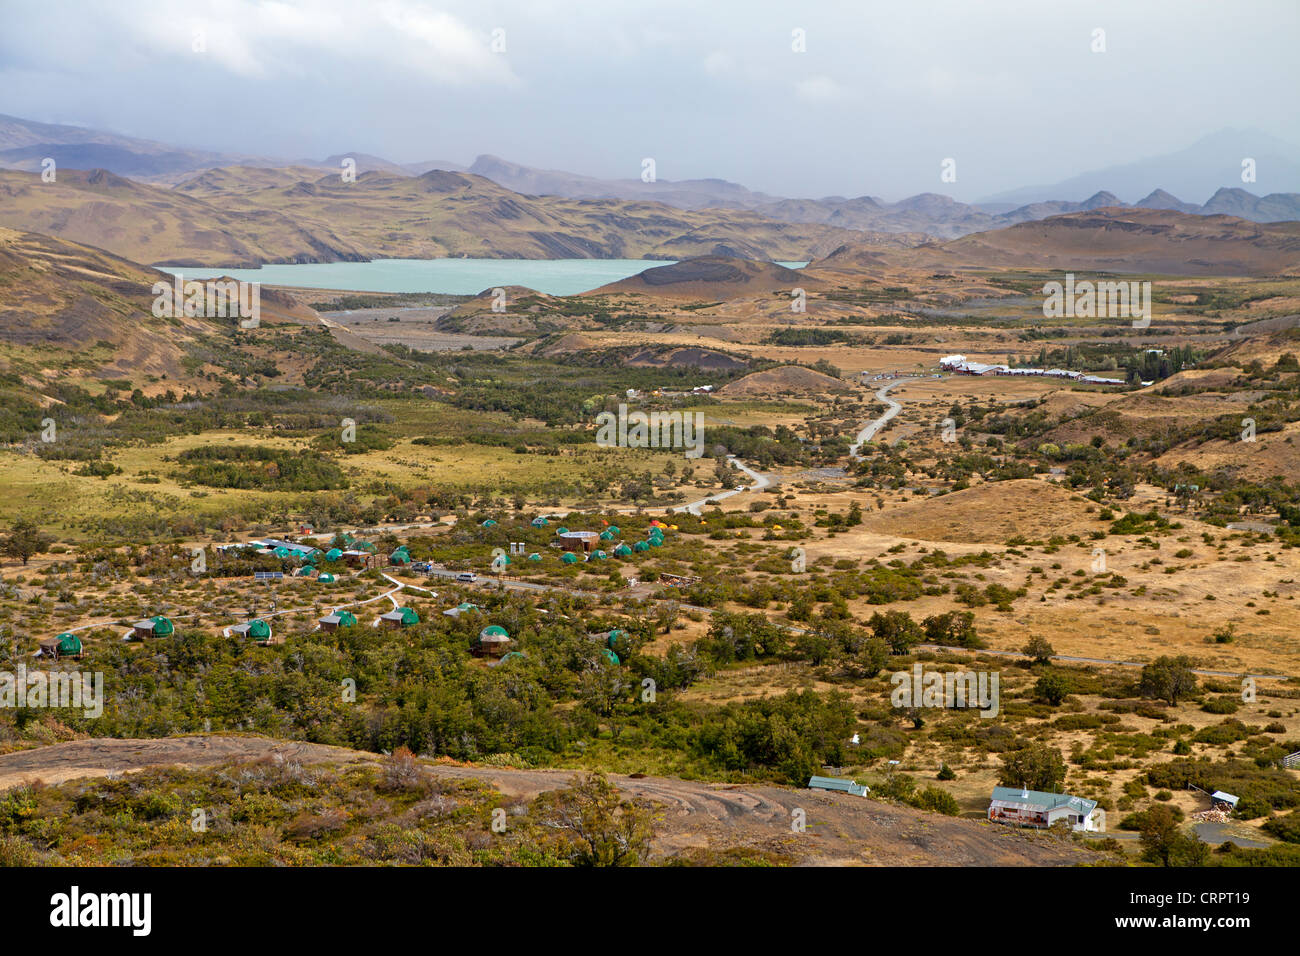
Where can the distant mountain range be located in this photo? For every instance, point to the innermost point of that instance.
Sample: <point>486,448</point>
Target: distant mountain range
<point>1199,170</point>
<point>245,216</point>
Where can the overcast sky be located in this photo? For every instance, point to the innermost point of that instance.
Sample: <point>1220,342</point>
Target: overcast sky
<point>885,91</point>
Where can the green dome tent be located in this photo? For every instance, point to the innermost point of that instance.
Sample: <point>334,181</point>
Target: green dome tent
<point>333,554</point>
<point>409,616</point>
<point>569,557</point>
<point>399,557</point>
<point>367,546</point>
<point>609,656</point>
<point>622,551</point>
<point>598,555</point>
<point>534,557</point>
<point>305,571</point>
<point>493,630</point>
<point>641,546</point>
<point>513,655</point>
<point>282,552</point>
<point>617,637</point>
<point>314,554</point>
<point>606,536</point>
<point>561,530</point>
<point>656,542</point>
<point>613,529</point>
<point>69,643</point>
<point>540,522</point>
<point>347,619</point>
<point>161,626</point>
<point>259,630</point>
<point>325,578</point>
<point>489,523</point>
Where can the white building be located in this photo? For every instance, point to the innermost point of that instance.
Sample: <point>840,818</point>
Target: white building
<point>1035,808</point>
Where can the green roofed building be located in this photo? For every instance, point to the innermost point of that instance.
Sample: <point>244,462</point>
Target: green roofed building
<point>1037,808</point>
<point>837,784</point>
<point>66,644</point>
<point>332,622</point>
<point>400,617</point>
<point>492,640</point>
<point>255,630</point>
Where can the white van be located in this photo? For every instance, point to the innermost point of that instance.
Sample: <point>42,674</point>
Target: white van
<point>468,576</point>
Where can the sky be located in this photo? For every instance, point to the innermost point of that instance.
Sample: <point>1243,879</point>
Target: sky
<point>812,98</point>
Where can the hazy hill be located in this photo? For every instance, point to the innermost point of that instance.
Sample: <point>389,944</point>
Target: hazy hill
<point>711,278</point>
<point>25,143</point>
<point>1126,241</point>
<point>243,216</point>
<point>683,194</point>
<point>155,225</point>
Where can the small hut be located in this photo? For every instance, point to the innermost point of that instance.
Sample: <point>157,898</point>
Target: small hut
<point>66,644</point>
<point>337,620</point>
<point>578,540</point>
<point>256,630</point>
<point>492,641</point>
<point>157,626</point>
<point>400,617</point>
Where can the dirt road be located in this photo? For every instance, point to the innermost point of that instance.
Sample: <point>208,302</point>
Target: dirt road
<point>840,829</point>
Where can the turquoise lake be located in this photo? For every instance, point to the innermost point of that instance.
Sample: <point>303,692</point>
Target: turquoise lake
<point>451,276</point>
